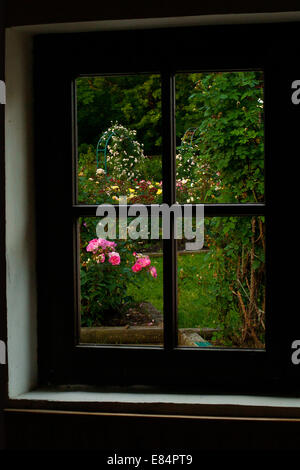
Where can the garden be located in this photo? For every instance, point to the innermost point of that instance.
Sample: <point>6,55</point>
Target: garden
<point>219,159</point>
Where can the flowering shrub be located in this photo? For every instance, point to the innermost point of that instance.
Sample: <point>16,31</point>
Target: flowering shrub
<point>127,171</point>
<point>196,181</point>
<point>106,272</point>
<point>124,152</point>
<point>98,188</point>
<point>141,262</point>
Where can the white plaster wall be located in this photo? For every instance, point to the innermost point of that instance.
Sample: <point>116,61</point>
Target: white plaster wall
<point>20,255</point>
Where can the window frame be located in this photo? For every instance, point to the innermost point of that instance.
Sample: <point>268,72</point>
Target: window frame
<point>61,358</point>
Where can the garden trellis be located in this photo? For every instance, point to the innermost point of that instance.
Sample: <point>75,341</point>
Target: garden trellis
<point>188,139</point>
<point>189,133</point>
<point>104,150</point>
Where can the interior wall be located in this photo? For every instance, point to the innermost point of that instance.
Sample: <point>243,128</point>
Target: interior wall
<point>20,254</point>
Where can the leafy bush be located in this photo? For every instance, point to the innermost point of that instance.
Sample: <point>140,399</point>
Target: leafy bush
<point>87,155</point>
<point>106,275</point>
<point>230,144</point>
<point>230,137</point>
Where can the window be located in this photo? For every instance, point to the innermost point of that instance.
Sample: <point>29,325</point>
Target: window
<point>191,76</point>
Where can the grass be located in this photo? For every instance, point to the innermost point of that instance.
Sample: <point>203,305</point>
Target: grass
<point>195,303</point>
<point>148,288</point>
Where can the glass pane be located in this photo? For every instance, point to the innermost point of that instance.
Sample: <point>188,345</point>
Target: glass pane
<point>220,137</point>
<point>221,288</point>
<point>119,139</point>
<point>121,287</point>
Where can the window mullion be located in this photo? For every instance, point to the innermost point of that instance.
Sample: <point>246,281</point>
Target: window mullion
<point>169,197</point>
<point>213,210</point>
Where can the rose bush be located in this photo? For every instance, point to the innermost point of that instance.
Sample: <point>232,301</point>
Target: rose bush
<point>107,269</point>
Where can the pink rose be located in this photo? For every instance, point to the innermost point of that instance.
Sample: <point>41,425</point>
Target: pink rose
<point>93,245</point>
<point>136,267</point>
<point>105,243</point>
<point>114,258</point>
<point>144,261</point>
<point>153,271</point>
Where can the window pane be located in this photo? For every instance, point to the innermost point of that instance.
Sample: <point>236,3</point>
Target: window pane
<point>221,288</point>
<point>220,137</point>
<point>119,139</point>
<point>121,288</point>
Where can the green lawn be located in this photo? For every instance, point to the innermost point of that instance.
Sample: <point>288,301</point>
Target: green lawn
<point>195,301</point>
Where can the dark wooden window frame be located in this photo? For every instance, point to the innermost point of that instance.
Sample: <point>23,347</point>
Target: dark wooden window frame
<point>58,60</point>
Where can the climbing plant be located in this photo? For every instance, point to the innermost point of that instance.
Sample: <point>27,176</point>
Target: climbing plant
<point>120,153</point>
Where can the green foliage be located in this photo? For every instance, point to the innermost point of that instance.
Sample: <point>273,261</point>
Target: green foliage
<point>221,158</point>
<point>230,138</point>
<point>134,100</point>
<point>236,258</point>
<point>87,155</point>
<point>150,168</point>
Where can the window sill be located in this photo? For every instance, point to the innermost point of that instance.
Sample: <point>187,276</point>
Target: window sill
<point>146,400</point>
